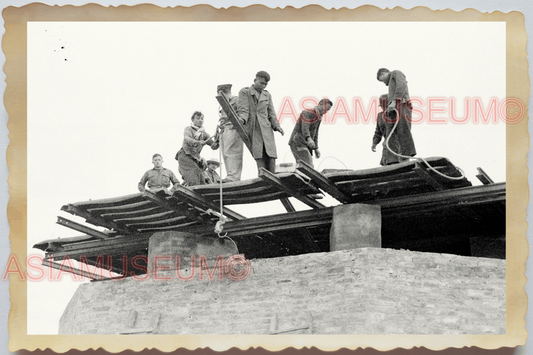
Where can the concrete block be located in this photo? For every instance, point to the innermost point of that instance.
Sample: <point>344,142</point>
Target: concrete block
<point>166,246</point>
<point>355,226</point>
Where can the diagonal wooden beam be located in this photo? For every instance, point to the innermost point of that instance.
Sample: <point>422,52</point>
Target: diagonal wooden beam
<point>201,202</point>
<point>81,228</point>
<point>181,210</point>
<point>287,204</point>
<point>273,180</point>
<point>96,220</point>
<point>323,182</point>
<point>424,174</point>
<point>120,245</point>
<point>483,177</point>
<point>233,118</point>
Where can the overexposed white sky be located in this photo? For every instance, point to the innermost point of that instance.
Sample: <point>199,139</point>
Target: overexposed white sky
<point>103,97</point>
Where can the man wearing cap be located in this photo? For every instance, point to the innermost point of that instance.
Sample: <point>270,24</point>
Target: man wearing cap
<point>304,137</point>
<point>232,144</point>
<point>211,175</point>
<point>158,178</point>
<point>256,110</point>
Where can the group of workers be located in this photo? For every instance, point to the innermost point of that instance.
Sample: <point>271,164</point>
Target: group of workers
<point>255,111</point>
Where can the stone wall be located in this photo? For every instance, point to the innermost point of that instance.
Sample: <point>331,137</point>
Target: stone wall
<point>359,291</point>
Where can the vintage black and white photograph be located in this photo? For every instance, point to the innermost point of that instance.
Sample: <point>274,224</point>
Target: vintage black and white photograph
<point>267,178</point>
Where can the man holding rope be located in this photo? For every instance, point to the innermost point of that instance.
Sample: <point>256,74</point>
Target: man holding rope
<point>398,111</point>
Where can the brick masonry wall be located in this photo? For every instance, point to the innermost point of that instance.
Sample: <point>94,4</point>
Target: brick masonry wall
<point>359,291</point>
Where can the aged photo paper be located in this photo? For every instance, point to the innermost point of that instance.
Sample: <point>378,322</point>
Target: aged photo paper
<point>94,92</point>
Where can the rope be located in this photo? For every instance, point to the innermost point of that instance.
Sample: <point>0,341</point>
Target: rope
<point>332,157</point>
<point>225,237</point>
<point>219,227</point>
<point>418,158</point>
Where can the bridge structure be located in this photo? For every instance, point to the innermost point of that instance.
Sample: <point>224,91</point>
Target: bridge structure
<point>418,210</point>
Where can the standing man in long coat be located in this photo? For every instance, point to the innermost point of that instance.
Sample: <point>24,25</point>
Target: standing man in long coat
<point>383,130</point>
<point>399,100</point>
<point>256,111</point>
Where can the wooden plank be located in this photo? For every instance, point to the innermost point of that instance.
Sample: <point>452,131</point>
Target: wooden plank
<point>460,213</point>
<point>175,222</point>
<point>369,192</point>
<point>183,210</point>
<point>81,228</point>
<point>201,202</point>
<point>59,243</point>
<point>110,246</point>
<point>350,184</point>
<point>255,190</point>
<point>119,249</point>
<point>424,174</point>
<point>273,223</point>
<point>323,182</point>
<point>244,194</point>
<point>180,228</point>
<point>75,271</point>
<point>246,199</point>
<point>133,214</point>
<point>483,177</point>
<point>366,187</point>
<point>464,195</point>
<point>111,202</point>
<point>96,220</point>
<point>272,179</point>
<point>163,216</point>
<point>389,170</point>
<point>233,118</point>
<point>137,206</point>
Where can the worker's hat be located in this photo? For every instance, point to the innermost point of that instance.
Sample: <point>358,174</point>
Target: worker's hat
<point>223,87</point>
<point>213,161</point>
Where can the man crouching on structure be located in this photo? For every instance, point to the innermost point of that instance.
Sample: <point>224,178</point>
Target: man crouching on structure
<point>256,110</point>
<point>158,178</point>
<point>304,137</point>
<point>399,102</point>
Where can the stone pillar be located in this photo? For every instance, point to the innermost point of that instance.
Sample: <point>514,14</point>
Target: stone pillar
<point>165,247</point>
<point>355,226</point>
